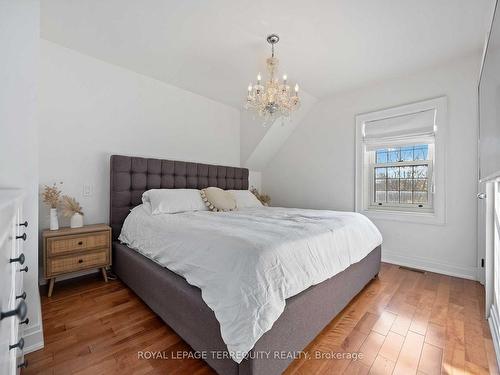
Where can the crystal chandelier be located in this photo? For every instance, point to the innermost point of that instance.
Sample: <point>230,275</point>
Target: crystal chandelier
<point>273,99</point>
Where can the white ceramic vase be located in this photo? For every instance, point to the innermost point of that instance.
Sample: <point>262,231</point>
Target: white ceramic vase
<point>76,220</point>
<point>54,222</point>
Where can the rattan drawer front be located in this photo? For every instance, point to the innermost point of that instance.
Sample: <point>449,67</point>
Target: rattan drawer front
<point>77,262</point>
<point>66,244</point>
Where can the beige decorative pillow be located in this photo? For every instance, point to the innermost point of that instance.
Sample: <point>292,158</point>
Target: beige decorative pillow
<point>217,199</point>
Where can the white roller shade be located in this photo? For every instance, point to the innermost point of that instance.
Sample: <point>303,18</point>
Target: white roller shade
<point>374,145</point>
<point>411,125</point>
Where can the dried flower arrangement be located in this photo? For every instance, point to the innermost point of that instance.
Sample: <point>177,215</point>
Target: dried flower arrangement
<point>51,195</point>
<point>263,198</point>
<point>70,206</point>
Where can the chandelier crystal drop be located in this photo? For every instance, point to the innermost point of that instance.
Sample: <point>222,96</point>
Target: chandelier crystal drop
<point>274,98</point>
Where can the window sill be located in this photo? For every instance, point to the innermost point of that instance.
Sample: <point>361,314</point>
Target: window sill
<point>404,216</point>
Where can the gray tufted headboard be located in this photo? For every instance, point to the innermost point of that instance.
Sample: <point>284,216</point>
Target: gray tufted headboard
<point>132,176</point>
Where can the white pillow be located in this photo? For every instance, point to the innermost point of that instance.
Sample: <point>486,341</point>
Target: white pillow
<point>245,199</point>
<point>171,201</point>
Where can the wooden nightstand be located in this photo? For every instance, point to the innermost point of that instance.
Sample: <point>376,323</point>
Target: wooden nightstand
<point>75,249</point>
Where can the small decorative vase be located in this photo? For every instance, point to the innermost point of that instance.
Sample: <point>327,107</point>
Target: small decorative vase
<point>76,220</point>
<point>54,222</point>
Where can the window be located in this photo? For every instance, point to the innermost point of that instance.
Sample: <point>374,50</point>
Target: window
<point>401,177</point>
<point>400,162</point>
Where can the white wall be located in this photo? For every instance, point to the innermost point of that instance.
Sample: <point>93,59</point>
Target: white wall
<point>19,42</point>
<point>90,109</point>
<point>252,131</point>
<point>255,180</point>
<point>259,144</point>
<point>316,166</point>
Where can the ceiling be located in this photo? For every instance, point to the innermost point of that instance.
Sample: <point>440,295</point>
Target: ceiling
<point>215,48</point>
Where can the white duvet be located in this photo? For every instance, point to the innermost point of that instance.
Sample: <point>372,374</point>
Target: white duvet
<point>247,262</point>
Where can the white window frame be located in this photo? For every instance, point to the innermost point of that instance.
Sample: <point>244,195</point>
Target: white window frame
<point>435,213</point>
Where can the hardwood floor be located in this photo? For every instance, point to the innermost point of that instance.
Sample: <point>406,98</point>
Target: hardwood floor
<point>404,322</point>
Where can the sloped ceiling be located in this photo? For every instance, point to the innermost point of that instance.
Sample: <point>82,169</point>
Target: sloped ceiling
<point>259,145</point>
<point>215,48</point>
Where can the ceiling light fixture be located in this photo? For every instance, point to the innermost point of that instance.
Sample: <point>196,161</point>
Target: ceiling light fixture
<point>273,99</point>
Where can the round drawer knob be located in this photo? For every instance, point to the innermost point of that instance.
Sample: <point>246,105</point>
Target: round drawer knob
<point>20,344</point>
<point>23,296</point>
<point>80,260</point>
<point>25,269</point>
<point>80,243</point>
<point>19,259</point>
<point>25,224</point>
<point>25,321</point>
<point>20,311</point>
<point>23,237</point>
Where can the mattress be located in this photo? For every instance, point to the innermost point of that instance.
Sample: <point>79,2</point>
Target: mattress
<point>248,262</point>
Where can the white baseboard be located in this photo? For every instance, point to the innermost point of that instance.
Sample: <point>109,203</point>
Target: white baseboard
<point>494,323</point>
<point>33,336</point>
<point>430,265</point>
<point>33,339</point>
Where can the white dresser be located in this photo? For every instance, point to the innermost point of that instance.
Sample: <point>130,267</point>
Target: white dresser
<point>13,308</point>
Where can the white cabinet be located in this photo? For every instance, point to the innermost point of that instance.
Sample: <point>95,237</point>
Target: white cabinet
<point>12,268</point>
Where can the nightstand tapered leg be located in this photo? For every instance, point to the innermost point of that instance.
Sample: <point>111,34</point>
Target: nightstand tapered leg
<point>51,286</point>
<point>104,275</point>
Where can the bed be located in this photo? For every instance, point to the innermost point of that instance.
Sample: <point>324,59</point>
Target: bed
<point>181,305</point>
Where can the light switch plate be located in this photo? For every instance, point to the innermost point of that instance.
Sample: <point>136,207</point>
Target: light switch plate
<point>87,190</point>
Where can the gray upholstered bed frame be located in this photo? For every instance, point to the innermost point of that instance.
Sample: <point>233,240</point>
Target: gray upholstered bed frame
<point>180,305</point>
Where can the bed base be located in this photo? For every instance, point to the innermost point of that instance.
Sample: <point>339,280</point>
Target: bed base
<point>180,305</point>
